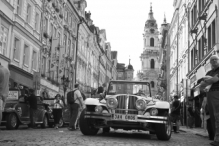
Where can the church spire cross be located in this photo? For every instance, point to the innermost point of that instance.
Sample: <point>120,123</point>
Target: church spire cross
<point>164,20</point>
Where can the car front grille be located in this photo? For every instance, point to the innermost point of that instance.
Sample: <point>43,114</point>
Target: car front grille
<point>122,104</point>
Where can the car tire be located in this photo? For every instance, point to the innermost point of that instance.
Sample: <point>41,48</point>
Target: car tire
<point>12,121</point>
<point>86,126</point>
<point>106,130</point>
<point>45,122</point>
<point>61,122</point>
<point>164,131</point>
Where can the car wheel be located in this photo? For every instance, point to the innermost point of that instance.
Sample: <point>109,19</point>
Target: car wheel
<point>45,122</point>
<point>106,130</point>
<point>61,122</point>
<point>164,131</point>
<point>12,121</point>
<point>86,125</point>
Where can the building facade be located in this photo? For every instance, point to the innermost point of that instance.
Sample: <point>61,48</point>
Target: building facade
<point>57,40</point>
<point>149,58</point>
<point>178,49</point>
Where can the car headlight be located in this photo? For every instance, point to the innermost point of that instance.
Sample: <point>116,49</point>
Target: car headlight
<point>153,112</point>
<point>112,103</point>
<point>141,104</point>
<point>98,109</point>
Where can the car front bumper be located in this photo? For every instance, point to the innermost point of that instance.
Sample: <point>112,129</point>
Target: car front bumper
<point>140,118</point>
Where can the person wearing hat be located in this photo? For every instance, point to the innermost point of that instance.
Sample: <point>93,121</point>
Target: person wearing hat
<point>175,112</point>
<point>57,110</point>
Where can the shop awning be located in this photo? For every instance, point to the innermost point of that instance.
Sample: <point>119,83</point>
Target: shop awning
<point>20,76</point>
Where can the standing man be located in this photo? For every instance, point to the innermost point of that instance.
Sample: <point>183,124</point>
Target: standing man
<point>4,87</point>
<point>213,96</point>
<point>74,104</point>
<point>33,107</point>
<point>175,113</point>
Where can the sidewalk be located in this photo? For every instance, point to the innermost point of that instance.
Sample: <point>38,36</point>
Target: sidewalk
<point>196,131</point>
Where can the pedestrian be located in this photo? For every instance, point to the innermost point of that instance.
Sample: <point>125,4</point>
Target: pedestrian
<point>32,99</point>
<point>213,96</point>
<point>175,112</point>
<point>4,88</point>
<point>100,93</point>
<point>205,111</point>
<point>57,110</point>
<point>75,101</point>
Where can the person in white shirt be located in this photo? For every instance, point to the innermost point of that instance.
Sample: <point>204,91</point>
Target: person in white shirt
<point>57,110</point>
<point>75,106</point>
<point>4,87</point>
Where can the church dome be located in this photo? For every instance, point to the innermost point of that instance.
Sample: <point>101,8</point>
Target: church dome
<point>130,67</point>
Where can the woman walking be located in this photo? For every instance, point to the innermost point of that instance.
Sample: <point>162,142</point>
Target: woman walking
<point>57,110</point>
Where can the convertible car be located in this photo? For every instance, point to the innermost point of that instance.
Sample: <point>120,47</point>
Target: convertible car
<point>127,105</point>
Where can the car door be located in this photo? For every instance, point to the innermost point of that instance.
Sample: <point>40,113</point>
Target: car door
<point>23,110</point>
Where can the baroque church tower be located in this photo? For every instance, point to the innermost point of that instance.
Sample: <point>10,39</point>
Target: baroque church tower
<point>149,57</point>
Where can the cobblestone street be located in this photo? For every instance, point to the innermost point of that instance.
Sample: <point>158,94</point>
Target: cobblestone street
<point>63,137</point>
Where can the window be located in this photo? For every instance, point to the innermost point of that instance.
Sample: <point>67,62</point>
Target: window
<point>26,55</point>
<point>151,42</point>
<point>51,29</point>
<point>192,58</point>
<point>37,22</point>
<point>209,38</point>
<point>3,40</point>
<point>46,25</point>
<point>19,7</point>
<point>43,67</point>
<point>152,63</point>
<point>152,84</point>
<point>34,60</point>
<point>54,32</point>
<point>64,43</point>
<point>16,49</point>
<point>213,33</point>
<point>59,36</point>
<point>69,46</point>
<point>28,18</point>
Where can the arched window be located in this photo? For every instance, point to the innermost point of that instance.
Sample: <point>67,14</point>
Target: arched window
<point>152,63</point>
<point>151,42</point>
<point>152,84</point>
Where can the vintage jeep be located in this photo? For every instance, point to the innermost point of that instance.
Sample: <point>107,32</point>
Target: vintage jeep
<point>16,112</point>
<point>125,108</point>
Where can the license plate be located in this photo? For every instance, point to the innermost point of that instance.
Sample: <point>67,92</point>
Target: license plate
<point>124,117</point>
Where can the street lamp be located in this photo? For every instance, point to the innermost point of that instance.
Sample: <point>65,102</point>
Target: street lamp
<point>65,82</point>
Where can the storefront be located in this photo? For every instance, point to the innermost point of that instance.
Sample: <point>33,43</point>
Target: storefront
<point>20,78</point>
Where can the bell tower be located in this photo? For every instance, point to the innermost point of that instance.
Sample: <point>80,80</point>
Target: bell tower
<point>150,54</point>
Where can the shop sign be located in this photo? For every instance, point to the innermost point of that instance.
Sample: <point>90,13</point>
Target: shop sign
<point>193,79</point>
<point>13,95</point>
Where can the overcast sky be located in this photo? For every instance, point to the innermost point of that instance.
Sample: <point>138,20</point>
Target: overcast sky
<point>124,22</point>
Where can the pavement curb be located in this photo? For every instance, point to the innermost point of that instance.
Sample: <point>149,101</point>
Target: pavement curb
<point>198,134</point>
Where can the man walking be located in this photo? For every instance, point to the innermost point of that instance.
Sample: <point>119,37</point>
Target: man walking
<point>175,113</point>
<point>213,96</point>
<point>4,87</point>
<point>75,101</point>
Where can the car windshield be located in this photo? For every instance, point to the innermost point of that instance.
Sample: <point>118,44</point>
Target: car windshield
<point>125,87</point>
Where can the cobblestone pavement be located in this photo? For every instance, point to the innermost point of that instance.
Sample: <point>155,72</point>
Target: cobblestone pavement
<point>63,137</point>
